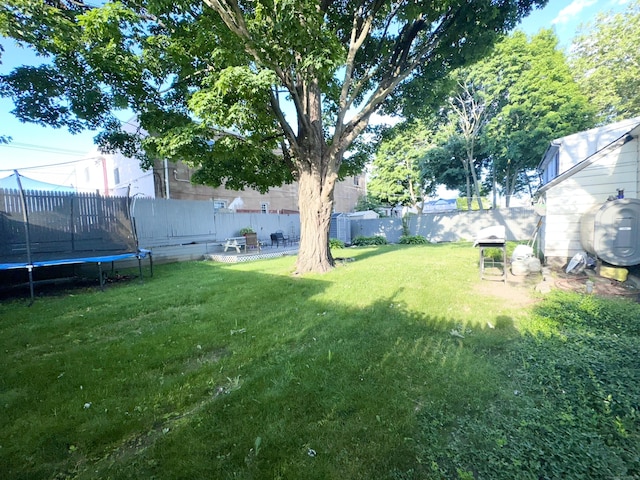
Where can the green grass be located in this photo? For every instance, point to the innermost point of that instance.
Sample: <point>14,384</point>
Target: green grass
<point>384,368</point>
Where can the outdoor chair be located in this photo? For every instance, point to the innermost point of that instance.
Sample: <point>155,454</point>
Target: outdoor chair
<point>278,238</point>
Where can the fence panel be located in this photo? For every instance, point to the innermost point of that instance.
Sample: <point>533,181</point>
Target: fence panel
<point>166,222</point>
<point>63,225</point>
<point>520,223</point>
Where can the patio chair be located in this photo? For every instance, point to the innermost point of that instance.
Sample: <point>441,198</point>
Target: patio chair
<point>278,238</point>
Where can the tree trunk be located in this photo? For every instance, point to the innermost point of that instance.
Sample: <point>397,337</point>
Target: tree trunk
<point>507,188</point>
<point>511,187</point>
<point>476,187</point>
<point>315,201</point>
<point>466,175</point>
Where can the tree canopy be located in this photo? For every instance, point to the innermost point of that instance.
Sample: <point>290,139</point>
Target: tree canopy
<point>255,92</point>
<point>501,116</point>
<point>534,100</point>
<point>396,178</point>
<point>605,59</point>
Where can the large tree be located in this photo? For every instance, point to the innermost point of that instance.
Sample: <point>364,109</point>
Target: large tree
<point>534,100</point>
<point>605,60</point>
<point>223,84</point>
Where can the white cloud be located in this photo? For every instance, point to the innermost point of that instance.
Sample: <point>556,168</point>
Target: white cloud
<point>571,11</point>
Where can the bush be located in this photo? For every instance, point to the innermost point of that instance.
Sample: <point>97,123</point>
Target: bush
<point>413,240</point>
<point>361,241</point>
<point>335,243</point>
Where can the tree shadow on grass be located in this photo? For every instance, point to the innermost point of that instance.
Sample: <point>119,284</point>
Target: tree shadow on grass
<point>242,375</point>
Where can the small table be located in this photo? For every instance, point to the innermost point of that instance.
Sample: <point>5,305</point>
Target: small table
<point>235,242</point>
<point>487,244</point>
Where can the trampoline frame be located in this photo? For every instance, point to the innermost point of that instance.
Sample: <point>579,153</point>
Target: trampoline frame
<point>30,264</point>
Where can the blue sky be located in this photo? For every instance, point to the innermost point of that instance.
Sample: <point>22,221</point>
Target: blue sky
<point>34,145</point>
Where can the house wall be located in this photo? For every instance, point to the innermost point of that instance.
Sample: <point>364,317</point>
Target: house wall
<point>570,199</point>
<point>114,175</point>
<point>117,175</point>
<point>282,199</point>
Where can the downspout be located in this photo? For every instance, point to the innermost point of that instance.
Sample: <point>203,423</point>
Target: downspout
<point>104,176</point>
<point>166,179</point>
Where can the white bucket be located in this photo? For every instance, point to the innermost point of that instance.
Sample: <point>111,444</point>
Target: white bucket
<point>521,252</point>
<point>533,264</point>
<point>519,268</point>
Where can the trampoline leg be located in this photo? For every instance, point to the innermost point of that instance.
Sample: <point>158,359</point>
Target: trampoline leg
<point>30,269</point>
<point>100,273</point>
<point>140,268</point>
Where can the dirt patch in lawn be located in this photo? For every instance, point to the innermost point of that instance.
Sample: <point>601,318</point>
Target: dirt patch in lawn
<point>518,290</point>
<point>523,290</point>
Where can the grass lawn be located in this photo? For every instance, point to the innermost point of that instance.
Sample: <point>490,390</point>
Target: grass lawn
<point>393,366</point>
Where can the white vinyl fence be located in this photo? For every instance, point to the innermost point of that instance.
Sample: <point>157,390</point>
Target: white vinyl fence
<point>162,222</point>
<point>520,224</point>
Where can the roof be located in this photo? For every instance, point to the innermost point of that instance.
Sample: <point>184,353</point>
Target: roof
<point>11,183</point>
<point>615,144</point>
<point>365,214</point>
<point>590,141</point>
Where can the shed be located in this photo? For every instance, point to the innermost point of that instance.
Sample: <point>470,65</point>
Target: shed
<point>580,172</point>
<point>364,215</point>
<point>340,227</point>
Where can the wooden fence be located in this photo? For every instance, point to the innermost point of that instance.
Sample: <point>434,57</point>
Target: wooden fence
<point>62,225</point>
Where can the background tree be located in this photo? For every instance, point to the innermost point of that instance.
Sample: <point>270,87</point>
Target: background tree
<point>441,164</point>
<point>395,178</point>
<point>605,60</point>
<point>212,82</point>
<point>502,113</point>
<point>524,96</point>
<point>469,115</point>
<point>536,100</point>
<point>368,202</point>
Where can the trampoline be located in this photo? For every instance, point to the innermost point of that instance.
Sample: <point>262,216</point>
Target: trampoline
<point>40,229</point>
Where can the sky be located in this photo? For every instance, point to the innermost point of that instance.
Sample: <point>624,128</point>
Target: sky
<point>49,154</point>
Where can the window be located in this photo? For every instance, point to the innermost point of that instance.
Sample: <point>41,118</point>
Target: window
<point>264,207</point>
<point>218,204</point>
<point>356,180</point>
<point>551,171</point>
<point>116,175</point>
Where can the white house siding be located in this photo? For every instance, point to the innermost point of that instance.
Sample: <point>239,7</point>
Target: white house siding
<point>568,200</point>
<point>133,180</point>
<point>100,172</point>
<point>573,149</point>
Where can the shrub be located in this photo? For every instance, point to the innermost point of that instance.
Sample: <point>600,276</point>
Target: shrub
<point>335,243</point>
<point>413,240</point>
<point>247,230</point>
<point>361,241</point>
